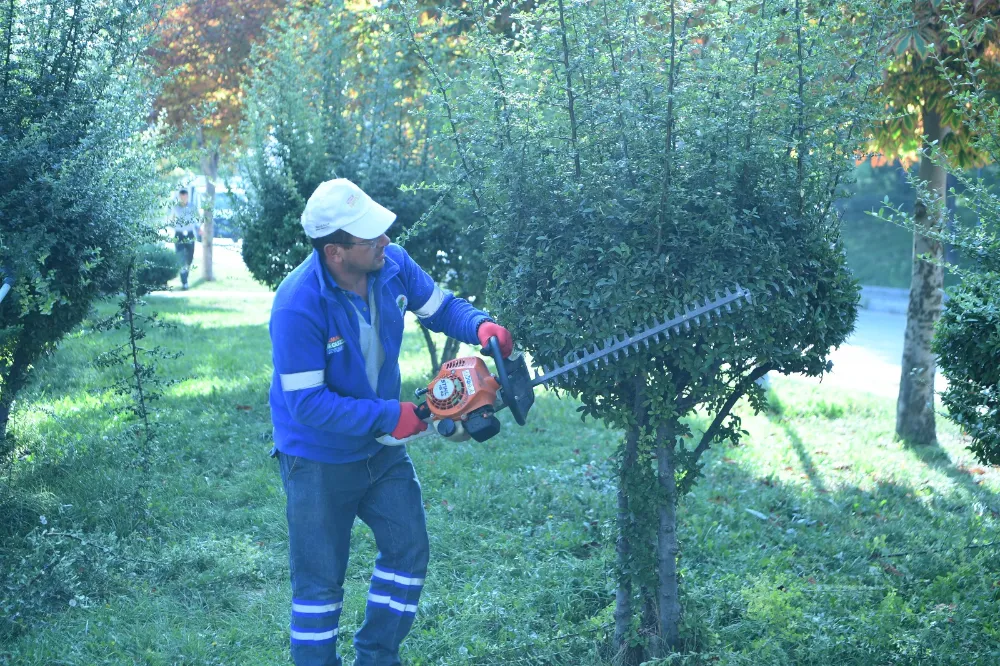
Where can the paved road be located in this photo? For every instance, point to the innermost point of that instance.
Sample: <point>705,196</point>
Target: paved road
<point>870,360</point>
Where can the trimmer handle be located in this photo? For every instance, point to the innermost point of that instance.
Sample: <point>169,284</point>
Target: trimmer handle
<point>517,401</point>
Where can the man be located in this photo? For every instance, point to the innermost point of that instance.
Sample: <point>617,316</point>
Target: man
<point>336,330</point>
<point>185,219</point>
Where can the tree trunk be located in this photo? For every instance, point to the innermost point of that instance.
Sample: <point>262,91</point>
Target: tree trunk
<point>5,446</point>
<point>11,382</point>
<point>623,594</point>
<point>624,610</point>
<point>450,350</point>
<point>431,349</point>
<point>915,405</point>
<point>210,168</point>
<point>667,547</point>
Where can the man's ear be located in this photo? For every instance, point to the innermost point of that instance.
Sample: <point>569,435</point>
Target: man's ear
<point>331,253</point>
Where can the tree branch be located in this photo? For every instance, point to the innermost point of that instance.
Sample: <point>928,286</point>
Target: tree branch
<point>738,392</point>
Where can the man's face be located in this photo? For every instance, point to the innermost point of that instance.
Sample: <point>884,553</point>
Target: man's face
<point>364,256</point>
<point>182,198</point>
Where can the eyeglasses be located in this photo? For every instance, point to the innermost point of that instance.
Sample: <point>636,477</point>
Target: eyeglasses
<point>373,243</point>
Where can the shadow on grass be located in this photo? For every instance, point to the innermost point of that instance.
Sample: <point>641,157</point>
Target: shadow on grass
<point>827,578</point>
<point>937,459</point>
<point>775,414</point>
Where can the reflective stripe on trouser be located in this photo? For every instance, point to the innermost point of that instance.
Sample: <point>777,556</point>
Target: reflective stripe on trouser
<point>315,621</point>
<point>398,592</point>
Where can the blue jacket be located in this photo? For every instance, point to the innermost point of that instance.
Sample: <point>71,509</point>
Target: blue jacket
<point>322,406</point>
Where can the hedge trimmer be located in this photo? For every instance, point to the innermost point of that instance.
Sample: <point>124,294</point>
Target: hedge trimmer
<point>463,399</point>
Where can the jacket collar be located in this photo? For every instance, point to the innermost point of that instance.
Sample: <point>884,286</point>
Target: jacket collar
<point>327,282</point>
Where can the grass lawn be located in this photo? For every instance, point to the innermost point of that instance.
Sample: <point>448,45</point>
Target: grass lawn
<point>819,541</point>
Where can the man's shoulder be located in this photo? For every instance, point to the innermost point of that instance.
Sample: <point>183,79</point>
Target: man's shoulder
<point>299,289</point>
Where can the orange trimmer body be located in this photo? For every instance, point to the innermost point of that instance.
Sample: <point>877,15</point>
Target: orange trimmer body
<point>461,386</point>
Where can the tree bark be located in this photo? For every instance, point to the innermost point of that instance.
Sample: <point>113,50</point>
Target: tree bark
<point>667,547</point>
<point>623,594</point>
<point>623,548</point>
<point>450,350</point>
<point>11,383</point>
<point>431,349</point>
<point>915,404</point>
<point>210,168</point>
<point>4,418</point>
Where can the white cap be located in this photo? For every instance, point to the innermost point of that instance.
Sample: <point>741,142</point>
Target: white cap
<point>340,204</point>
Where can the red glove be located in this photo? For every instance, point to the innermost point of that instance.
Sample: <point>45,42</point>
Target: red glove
<point>409,423</point>
<point>489,330</point>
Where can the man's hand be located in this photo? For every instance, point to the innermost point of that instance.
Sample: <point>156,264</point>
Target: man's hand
<point>489,330</point>
<point>409,423</point>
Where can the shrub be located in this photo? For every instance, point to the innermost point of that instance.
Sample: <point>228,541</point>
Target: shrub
<point>967,342</point>
<point>157,266</point>
<point>75,168</point>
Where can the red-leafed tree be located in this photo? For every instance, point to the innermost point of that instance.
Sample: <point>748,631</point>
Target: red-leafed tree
<point>203,53</point>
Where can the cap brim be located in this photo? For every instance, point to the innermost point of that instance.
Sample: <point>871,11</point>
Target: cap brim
<point>372,224</point>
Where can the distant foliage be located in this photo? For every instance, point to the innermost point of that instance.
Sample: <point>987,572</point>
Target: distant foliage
<point>924,57</point>
<point>336,94</point>
<point>75,167</point>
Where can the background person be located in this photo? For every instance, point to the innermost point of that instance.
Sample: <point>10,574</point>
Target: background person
<point>184,216</point>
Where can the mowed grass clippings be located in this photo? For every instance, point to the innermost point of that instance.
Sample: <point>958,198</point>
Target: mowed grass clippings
<point>819,541</point>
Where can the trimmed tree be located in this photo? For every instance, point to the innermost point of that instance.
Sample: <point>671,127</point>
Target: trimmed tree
<point>631,161</point>
<point>921,116</point>
<point>75,169</point>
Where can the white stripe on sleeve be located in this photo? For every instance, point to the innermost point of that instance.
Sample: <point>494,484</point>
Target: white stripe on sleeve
<point>302,380</point>
<point>432,304</point>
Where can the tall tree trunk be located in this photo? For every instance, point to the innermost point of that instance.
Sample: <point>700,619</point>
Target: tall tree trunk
<point>12,381</point>
<point>667,547</point>
<point>210,169</point>
<point>450,351</point>
<point>915,405</point>
<point>431,349</point>
<point>623,594</point>
<point>623,548</point>
<point>5,446</point>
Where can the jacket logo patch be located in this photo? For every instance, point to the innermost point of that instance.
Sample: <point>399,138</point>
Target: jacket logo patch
<point>401,303</point>
<point>335,345</point>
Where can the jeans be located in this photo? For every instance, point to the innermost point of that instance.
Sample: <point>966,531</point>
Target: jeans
<point>185,255</point>
<point>322,501</point>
